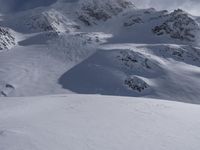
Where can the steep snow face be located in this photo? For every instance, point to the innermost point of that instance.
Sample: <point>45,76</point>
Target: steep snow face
<point>41,20</point>
<point>97,122</point>
<point>50,20</point>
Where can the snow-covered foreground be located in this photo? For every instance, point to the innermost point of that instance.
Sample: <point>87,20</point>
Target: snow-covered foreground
<point>98,123</point>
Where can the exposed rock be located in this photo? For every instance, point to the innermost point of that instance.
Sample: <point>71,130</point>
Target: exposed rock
<point>132,60</point>
<point>187,54</point>
<point>132,21</point>
<point>179,25</point>
<point>7,40</point>
<point>136,84</point>
<point>94,11</point>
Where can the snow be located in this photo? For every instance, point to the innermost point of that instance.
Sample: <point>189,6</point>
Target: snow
<point>97,122</point>
<point>57,53</point>
<point>25,72</point>
<point>167,75</point>
<point>65,48</point>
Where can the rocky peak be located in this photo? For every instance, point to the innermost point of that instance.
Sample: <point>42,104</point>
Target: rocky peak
<point>178,25</point>
<point>96,10</point>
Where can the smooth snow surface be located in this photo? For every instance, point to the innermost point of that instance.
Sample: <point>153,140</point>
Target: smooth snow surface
<point>97,122</point>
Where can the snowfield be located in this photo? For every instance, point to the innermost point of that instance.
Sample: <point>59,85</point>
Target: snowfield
<point>97,122</point>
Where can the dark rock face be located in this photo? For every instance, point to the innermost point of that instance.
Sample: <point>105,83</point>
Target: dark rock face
<point>133,60</point>
<point>132,21</point>
<point>6,38</point>
<point>136,84</point>
<point>179,25</point>
<point>97,10</point>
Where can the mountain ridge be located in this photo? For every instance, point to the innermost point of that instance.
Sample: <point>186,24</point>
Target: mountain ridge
<point>114,49</point>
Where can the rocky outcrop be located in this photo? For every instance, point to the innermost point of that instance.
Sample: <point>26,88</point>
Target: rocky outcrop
<point>7,40</point>
<point>51,20</point>
<point>178,25</point>
<point>133,60</point>
<point>136,84</point>
<point>132,20</point>
<point>94,11</point>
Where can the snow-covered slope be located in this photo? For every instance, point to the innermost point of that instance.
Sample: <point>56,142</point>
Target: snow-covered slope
<point>97,122</point>
<point>99,47</point>
<point>162,71</point>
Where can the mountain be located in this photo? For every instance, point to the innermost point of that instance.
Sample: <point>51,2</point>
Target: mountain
<point>93,11</point>
<point>98,74</point>
<point>178,25</point>
<point>106,47</point>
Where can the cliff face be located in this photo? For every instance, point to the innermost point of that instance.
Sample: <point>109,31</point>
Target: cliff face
<point>92,11</point>
<point>7,40</point>
<point>178,25</point>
